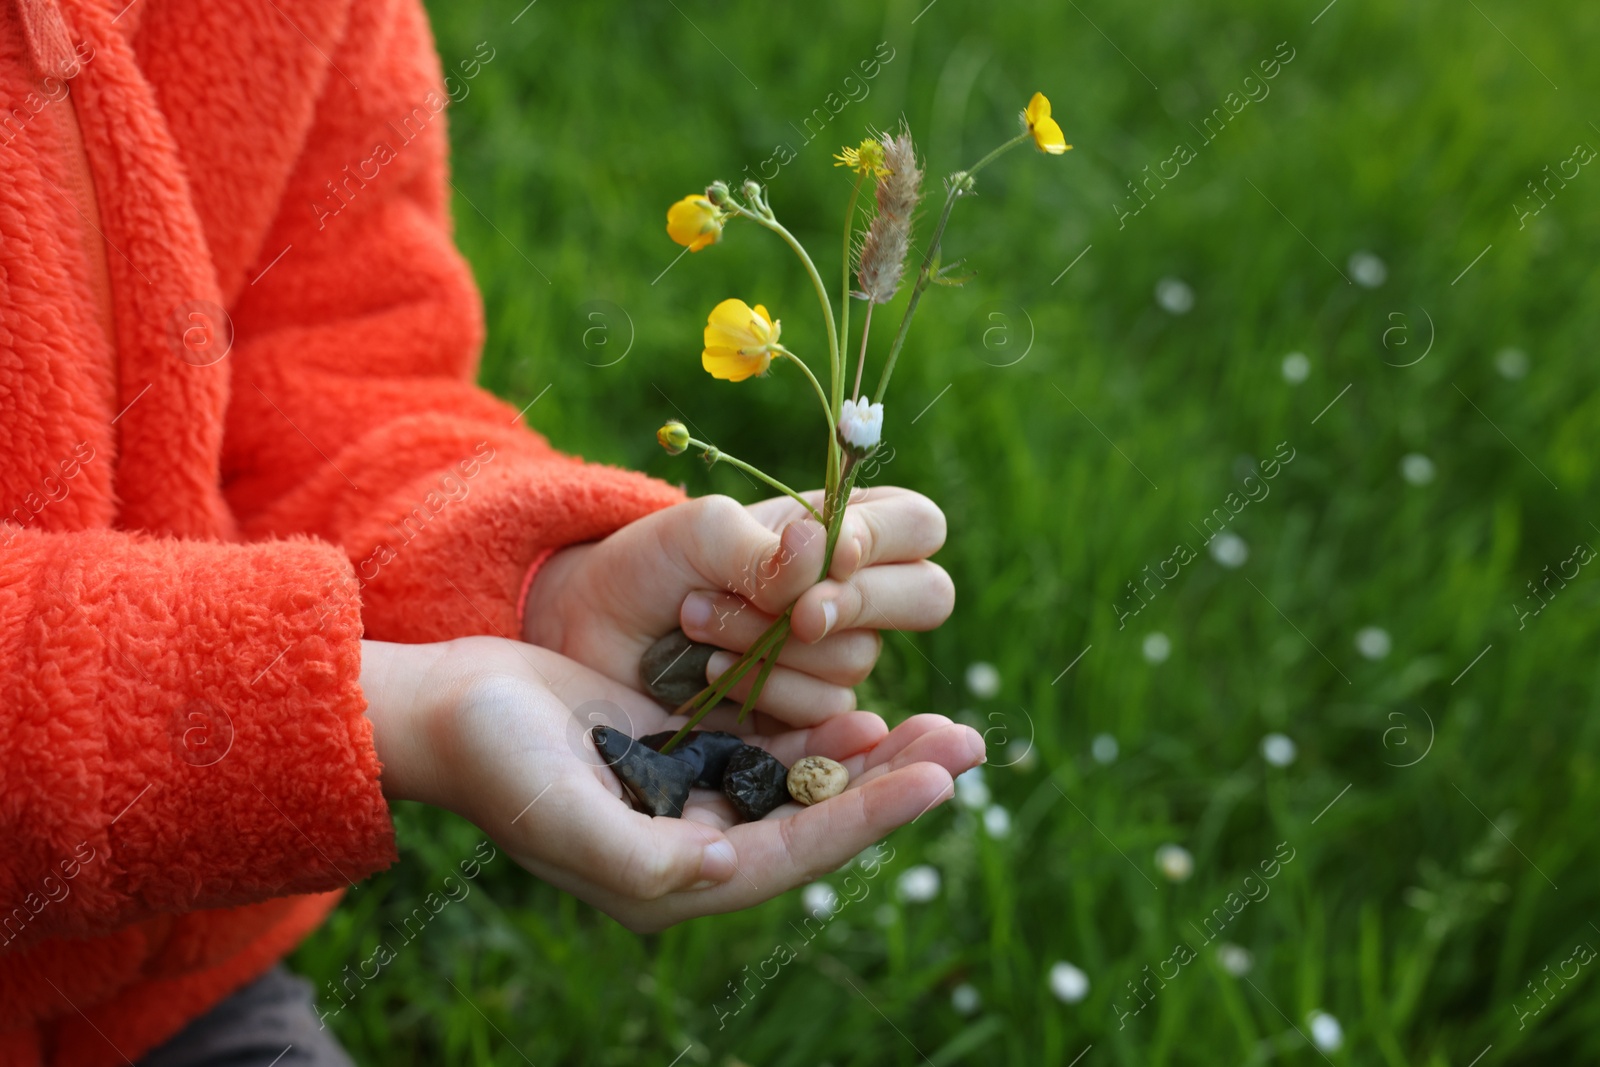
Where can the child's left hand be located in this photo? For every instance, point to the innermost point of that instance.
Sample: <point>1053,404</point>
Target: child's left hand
<point>723,572</point>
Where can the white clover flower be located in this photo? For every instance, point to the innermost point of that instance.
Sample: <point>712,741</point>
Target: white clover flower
<point>997,821</point>
<point>1229,549</point>
<point>1157,647</point>
<point>1416,468</point>
<point>1296,368</point>
<point>861,424</point>
<point>919,884</point>
<point>1326,1031</point>
<point>1175,862</point>
<point>971,790</point>
<point>1373,642</point>
<point>1512,363</point>
<point>984,680</point>
<point>1278,750</point>
<point>965,998</point>
<point>1174,296</point>
<point>1069,984</point>
<point>1104,748</point>
<point>1368,270</point>
<point>1235,960</point>
<point>818,899</point>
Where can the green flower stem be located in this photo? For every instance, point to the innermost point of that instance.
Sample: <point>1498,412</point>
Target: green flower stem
<point>844,286</point>
<point>715,455</point>
<point>960,183</point>
<point>861,364</point>
<point>827,416</point>
<point>834,362</point>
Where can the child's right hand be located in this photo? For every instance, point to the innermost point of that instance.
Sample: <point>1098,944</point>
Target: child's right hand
<point>497,731</point>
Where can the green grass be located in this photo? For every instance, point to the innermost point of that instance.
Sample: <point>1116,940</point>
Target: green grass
<point>1406,913</point>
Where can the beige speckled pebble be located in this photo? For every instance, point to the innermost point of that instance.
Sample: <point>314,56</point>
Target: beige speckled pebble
<point>814,779</point>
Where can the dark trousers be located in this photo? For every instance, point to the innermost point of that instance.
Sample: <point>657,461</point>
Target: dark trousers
<point>269,1023</point>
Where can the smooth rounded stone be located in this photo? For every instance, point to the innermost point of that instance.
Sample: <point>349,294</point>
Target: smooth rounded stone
<point>707,751</point>
<point>755,783</point>
<point>659,785</point>
<point>814,779</point>
<point>673,669</point>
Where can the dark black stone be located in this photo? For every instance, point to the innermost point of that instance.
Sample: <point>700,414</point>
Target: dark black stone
<point>659,785</point>
<point>673,669</point>
<point>707,751</point>
<point>755,782</point>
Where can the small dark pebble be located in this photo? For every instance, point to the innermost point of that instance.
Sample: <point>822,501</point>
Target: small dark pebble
<point>673,669</point>
<point>707,751</point>
<point>755,782</point>
<point>659,785</point>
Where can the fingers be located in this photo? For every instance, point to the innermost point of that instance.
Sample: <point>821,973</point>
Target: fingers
<point>886,525</point>
<point>781,853</point>
<point>797,698</point>
<point>898,596</point>
<point>845,657</point>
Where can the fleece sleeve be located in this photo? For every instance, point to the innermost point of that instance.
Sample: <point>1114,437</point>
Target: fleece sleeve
<point>181,727</point>
<point>354,417</point>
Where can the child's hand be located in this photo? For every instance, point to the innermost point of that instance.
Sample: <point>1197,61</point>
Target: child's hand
<point>724,572</point>
<point>497,731</point>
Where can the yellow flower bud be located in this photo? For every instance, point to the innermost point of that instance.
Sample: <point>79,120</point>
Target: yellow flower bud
<point>695,222</point>
<point>674,437</point>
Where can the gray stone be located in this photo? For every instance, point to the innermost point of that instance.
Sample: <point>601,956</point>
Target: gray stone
<point>673,669</point>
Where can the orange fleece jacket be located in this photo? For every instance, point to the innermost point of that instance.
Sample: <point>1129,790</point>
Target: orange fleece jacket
<point>205,510</point>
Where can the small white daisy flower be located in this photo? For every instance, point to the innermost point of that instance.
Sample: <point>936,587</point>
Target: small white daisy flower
<point>1326,1031</point>
<point>971,790</point>
<point>818,899</point>
<point>861,424</point>
<point>1373,642</point>
<point>965,998</point>
<point>1512,363</point>
<point>1278,750</point>
<point>1104,748</point>
<point>919,884</point>
<point>1157,647</point>
<point>984,680</point>
<point>1296,368</point>
<point>1235,960</point>
<point>1174,296</point>
<point>1368,270</point>
<point>1416,468</point>
<point>1069,984</point>
<point>1175,862</point>
<point>997,821</point>
<point>1229,549</point>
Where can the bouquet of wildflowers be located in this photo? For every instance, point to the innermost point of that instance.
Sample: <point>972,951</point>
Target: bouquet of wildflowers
<point>743,342</point>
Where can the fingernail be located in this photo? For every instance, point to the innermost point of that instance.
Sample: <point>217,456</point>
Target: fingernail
<point>830,615</point>
<point>717,865</point>
<point>697,611</point>
<point>719,662</point>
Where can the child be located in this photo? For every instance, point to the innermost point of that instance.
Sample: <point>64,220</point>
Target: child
<point>252,558</point>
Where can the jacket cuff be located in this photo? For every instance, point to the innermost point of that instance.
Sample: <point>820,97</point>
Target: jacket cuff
<point>190,731</point>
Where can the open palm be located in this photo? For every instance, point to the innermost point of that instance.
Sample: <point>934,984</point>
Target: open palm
<point>516,758</point>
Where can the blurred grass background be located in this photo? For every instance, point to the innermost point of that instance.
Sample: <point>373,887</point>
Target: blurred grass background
<point>1421,909</point>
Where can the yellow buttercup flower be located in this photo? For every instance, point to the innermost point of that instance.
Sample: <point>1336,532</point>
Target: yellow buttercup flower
<point>740,341</point>
<point>865,159</point>
<point>1046,132</point>
<point>695,222</point>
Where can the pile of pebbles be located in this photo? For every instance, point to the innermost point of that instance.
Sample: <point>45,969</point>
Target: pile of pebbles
<point>754,780</point>
<point>673,671</point>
